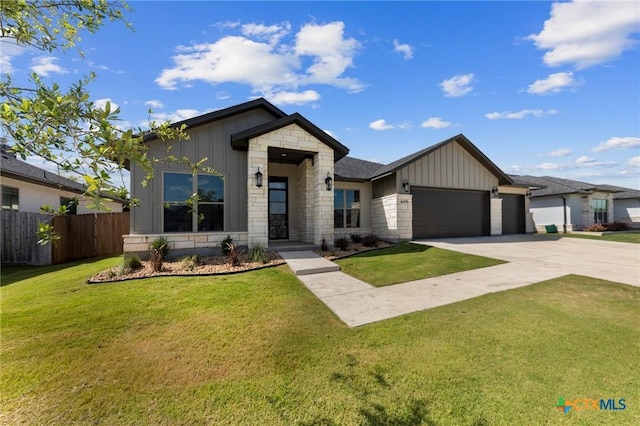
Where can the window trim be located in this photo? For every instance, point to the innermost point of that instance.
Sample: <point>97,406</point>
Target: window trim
<point>345,209</point>
<point>600,214</point>
<point>10,209</point>
<point>194,212</point>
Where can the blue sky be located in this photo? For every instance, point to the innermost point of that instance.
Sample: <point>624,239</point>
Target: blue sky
<point>541,88</point>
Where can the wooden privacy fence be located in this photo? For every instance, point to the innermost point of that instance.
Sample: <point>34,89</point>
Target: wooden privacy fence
<point>82,236</point>
<point>89,235</point>
<point>19,241</point>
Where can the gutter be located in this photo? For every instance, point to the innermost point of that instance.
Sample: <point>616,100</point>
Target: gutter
<point>564,211</point>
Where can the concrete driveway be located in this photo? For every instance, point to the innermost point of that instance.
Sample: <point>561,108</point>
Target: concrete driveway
<point>530,258</point>
<point>606,260</point>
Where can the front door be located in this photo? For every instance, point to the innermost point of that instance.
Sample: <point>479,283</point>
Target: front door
<point>278,209</point>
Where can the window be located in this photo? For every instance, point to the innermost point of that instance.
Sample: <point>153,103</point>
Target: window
<point>346,208</point>
<point>71,204</point>
<point>206,215</point>
<point>599,211</point>
<point>10,198</point>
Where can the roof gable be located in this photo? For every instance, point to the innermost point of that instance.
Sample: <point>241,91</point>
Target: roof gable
<point>240,140</point>
<point>549,185</point>
<point>503,179</point>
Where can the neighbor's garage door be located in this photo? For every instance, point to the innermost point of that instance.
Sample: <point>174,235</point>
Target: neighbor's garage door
<point>513,219</point>
<point>441,213</point>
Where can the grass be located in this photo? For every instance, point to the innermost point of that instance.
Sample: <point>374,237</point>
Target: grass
<point>627,237</point>
<point>258,348</point>
<point>408,262</point>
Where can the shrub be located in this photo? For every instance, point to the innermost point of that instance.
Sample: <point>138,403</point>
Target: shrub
<point>131,262</point>
<point>191,262</point>
<point>161,246</point>
<point>357,239</point>
<point>258,254</point>
<point>342,243</point>
<point>596,227</point>
<point>370,240</point>
<point>226,245</point>
<point>617,226</point>
<point>156,260</point>
<point>323,245</point>
<point>233,255</point>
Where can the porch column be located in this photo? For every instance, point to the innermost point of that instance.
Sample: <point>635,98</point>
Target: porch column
<point>322,208</point>
<point>496,216</point>
<point>257,200</point>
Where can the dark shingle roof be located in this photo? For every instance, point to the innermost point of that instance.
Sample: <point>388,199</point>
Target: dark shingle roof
<point>503,179</point>
<point>349,168</point>
<point>549,185</point>
<point>17,169</point>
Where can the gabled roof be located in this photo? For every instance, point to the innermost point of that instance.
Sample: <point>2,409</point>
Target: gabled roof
<point>550,185</point>
<point>354,169</point>
<point>225,113</point>
<point>13,168</point>
<point>503,179</point>
<point>240,140</point>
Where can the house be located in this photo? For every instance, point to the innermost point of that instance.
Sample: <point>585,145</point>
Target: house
<point>572,205</point>
<point>25,188</point>
<point>280,177</point>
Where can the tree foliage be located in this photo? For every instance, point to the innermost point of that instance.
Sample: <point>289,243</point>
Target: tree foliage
<point>63,125</point>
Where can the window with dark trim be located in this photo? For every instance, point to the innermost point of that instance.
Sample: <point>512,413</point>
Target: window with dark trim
<point>346,208</point>
<point>599,210</point>
<point>207,214</point>
<point>10,198</point>
<point>71,204</point>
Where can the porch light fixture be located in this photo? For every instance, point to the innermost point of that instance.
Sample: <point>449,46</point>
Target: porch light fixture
<point>328,181</point>
<point>259,178</point>
<point>494,192</point>
<point>406,186</point>
<point>528,194</point>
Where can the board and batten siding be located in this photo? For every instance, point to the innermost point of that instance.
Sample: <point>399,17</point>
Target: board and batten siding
<point>213,141</point>
<point>451,166</point>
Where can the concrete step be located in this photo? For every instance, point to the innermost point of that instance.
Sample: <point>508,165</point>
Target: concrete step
<point>307,262</point>
<point>291,246</point>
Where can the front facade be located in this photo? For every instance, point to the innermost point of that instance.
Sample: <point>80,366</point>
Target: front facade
<point>278,177</point>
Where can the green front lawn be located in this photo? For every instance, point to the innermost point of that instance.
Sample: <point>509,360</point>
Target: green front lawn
<point>408,262</point>
<point>627,237</point>
<point>259,348</point>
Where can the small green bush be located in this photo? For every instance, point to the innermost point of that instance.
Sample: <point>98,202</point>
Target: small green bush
<point>341,243</point>
<point>191,262</point>
<point>370,240</point>
<point>617,226</point>
<point>596,227</point>
<point>258,254</point>
<point>161,246</point>
<point>355,238</point>
<point>226,245</point>
<point>131,262</point>
<point>234,255</point>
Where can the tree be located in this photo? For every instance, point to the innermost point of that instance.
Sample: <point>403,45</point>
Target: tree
<point>64,126</point>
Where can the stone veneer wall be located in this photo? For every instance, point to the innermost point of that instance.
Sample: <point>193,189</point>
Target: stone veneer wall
<point>305,188</point>
<point>185,243</point>
<point>495,214</point>
<point>392,217</point>
<point>587,207</point>
<point>318,201</point>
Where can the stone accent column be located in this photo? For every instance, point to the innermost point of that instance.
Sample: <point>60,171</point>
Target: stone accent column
<point>257,202</point>
<point>496,216</point>
<point>404,216</point>
<point>305,189</point>
<point>392,217</point>
<point>322,199</point>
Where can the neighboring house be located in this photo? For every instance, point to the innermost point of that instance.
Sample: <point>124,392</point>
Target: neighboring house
<point>26,187</point>
<point>283,178</point>
<point>573,205</point>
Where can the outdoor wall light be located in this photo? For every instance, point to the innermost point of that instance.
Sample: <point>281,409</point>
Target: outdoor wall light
<point>528,194</point>
<point>328,181</point>
<point>494,191</point>
<point>406,186</point>
<point>259,178</point>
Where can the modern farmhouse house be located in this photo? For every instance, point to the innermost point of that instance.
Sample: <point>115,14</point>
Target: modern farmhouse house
<point>281,178</point>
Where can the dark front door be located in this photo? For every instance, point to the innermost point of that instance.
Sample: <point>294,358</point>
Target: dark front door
<point>278,209</point>
<point>513,217</point>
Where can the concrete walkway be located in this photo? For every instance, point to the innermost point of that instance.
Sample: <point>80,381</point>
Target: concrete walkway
<point>531,259</point>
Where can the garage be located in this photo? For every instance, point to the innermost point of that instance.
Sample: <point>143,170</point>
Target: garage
<point>439,213</point>
<point>513,218</point>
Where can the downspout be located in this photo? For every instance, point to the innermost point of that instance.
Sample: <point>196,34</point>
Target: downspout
<point>564,211</point>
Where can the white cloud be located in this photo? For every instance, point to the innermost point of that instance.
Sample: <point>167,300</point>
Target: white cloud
<point>381,125</point>
<point>8,50</point>
<point>435,123</point>
<point>633,162</point>
<point>587,33</point>
<point>520,114</point>
<point>316,54</point>
<point>294,98</point>
<point>618,143</point>
<point>405,49</point>
<point>154,103</point>
<point>45,66</point>
<point>458,85</point>
<point>554,83</point>
<point>562,152</point>
<point>330,133</point>
<point>584,159</point>
<point>177,115</point>
<point>101,103</point>
<point>5,65</point>
<point>222,95</point>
